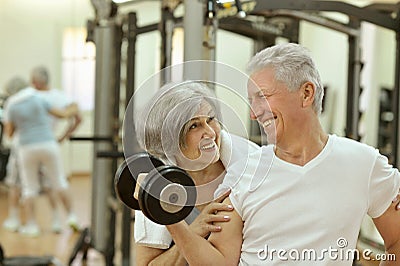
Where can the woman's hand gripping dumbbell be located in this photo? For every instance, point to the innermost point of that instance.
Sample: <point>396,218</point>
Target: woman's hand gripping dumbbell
<point>165,194</point>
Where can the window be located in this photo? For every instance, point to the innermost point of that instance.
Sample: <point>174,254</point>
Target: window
<point>78,67</point>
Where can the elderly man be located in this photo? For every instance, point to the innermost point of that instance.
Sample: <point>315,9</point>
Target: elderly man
<point>302,198</point>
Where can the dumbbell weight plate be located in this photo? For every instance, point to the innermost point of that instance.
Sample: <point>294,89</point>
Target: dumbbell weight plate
<point>167,182</point>
<point>127,173</point>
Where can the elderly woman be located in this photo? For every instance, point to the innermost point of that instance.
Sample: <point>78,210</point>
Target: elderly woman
<point>181,125</point>
<point>11,179</point>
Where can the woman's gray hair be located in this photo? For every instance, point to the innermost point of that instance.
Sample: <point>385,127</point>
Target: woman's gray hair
<point>14,85</point>
<point>293,65</point>
<point>161,125</point>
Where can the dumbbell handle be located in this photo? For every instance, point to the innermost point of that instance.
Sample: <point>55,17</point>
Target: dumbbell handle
<point>139,180</point>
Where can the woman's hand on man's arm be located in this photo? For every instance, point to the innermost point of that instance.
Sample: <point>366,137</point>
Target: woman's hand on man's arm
<point>203,225</point>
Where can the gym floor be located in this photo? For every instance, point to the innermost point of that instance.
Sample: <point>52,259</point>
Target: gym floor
<point>60,245</point>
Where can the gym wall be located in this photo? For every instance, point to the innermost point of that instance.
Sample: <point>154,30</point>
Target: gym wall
<point>31,34</point>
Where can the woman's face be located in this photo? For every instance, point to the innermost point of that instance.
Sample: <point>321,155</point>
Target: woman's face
<point>202,140</point>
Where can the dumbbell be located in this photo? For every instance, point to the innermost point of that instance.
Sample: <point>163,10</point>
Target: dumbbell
<point>167,194</point>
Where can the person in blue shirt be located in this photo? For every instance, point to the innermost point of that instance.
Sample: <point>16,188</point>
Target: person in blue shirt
<point>27,114</point>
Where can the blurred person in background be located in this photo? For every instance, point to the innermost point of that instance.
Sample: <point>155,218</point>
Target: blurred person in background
<point>12,180</point>
<point>40,80</point>
<point>26,115</point>
<point>12,222</point>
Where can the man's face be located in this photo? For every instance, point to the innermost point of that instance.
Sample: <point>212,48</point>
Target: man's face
<point>273,106</point>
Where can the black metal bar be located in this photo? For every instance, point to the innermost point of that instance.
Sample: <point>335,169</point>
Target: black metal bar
<point>313,18</point>
<point>293,31</point>
<point>384,7</point>
<point>396,106</point>
<point>131,58</point>
<point>163,33</point>
<point>258,31</point>
<point>109,251</point>
<point>147,28</point>
<point>117,84</point>
<point>110,154</point>
<point>353,84</point>
<point>364,14</point>
<point>94,139</point>
<point>126,218</point>
<point>167,26</point>
<point>249,29</point>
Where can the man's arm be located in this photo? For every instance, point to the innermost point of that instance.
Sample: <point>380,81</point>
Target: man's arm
<point>73,124</point>
<point>203,225</point>
<point>9,129</point>
<point>221,248</point>
<point>388,225</point>
<point>154,256</point>
<point>229,240</point>
<point>69,111</point>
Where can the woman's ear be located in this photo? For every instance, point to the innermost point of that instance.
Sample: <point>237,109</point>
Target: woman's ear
<point>308,93</point>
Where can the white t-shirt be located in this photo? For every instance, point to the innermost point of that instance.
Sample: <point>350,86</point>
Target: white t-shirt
<point>300,215</point>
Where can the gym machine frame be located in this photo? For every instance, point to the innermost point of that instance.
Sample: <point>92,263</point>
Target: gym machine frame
<point>106,137</point>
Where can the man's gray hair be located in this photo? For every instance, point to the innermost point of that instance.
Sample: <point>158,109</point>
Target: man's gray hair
<point>40,74</point>
<point>161,125</point>
<point>14,85</point>
<point>293,65</point>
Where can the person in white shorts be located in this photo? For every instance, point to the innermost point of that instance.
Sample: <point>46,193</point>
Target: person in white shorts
<point>27,113</point>
<point>12,180</point>
<point>40,80</point>
<point>12,222</point>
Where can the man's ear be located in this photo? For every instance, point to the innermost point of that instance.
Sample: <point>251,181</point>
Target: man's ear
<point>308,93</point>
